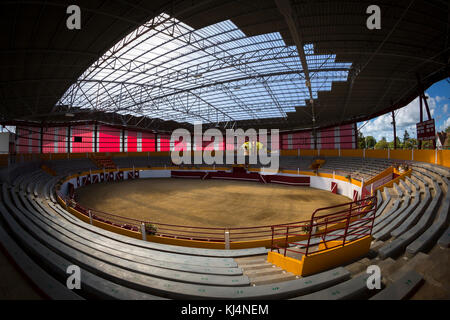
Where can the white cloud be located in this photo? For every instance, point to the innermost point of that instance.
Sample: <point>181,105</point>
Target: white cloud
<point>439,99</point>
<point>406,119</point>
<point>445,124</point>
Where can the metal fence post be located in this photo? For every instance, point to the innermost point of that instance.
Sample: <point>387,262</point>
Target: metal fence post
<point>90,216</point>
<point>347,224</point>
<point>227,239</point>
<point>286,240</point>
<point>144,234</point>
<point>271,243</point>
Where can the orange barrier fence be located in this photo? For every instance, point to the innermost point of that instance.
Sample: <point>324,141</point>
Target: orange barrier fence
<point>390,183</point>
<point>387,172</point>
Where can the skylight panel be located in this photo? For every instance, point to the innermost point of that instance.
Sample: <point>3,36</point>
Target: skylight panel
<point>174,72</point>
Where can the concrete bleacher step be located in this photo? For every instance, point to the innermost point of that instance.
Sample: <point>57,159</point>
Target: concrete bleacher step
<point>355,288</point>
<point>92,284</point>
<point>420,179</point>
<point>167,262</point>
<point>251,260</point>
<point>408,264</point>
<point>402,288</point>
<point>385,265</point>
<point>388,210</point>
<point>412,227</point>
<point>433,267</point>
<point>46,283</point>
<point>358,266</point>
<point>398,205</point>
<point>398,191</point>
<point>405,187</point>
<point>136,244</point>
<point>375,245</point>
<point>134,269</point>
<point>430,175</point>
<point>254,266</point>
<point>411,182</point>
<point>273,278</point>
<point>262,272</point>
<point>428,238</point>
<point>384,229</point>
<point>444,240</point>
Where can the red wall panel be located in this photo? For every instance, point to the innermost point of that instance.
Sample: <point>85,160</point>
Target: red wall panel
<point>164,142</point>
<point>346,137</point>
<point>48,140</point>
<point>86,134</point>
<point>148,142</point>
<point>109,139</point>
<point>131,138</point>
<point>326,138</point>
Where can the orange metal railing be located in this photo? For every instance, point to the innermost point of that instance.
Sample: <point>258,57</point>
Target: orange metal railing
<point>346,223</point>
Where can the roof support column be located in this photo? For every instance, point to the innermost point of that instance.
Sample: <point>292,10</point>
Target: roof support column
<point>69,131</point>
<point>285,8</point>
<point>395,131</point>
<point>41,147</point>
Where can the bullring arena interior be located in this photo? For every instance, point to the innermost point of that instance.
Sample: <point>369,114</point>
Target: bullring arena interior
<point>211,150</point>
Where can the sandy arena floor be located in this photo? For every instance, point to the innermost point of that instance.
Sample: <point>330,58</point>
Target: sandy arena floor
<point>209,203</point>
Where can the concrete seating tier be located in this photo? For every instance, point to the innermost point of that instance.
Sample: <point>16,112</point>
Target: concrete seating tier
<point>40,235</point>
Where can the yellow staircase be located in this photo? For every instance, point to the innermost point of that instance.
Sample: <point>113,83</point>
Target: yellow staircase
<point>103,162</point>
<point>317,163</point>
<point>49,170</point>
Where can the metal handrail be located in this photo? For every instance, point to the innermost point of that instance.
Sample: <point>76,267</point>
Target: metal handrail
<point>361,227</point>
<point>265,232</point>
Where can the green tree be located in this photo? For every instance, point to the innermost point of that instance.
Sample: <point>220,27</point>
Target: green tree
<point>370,142</point>
<point>382,144</point>
<point>361,140</point>
<point>399,143</point>
<point>427,144</point>
<point>410,143</point>
<point>405,136</point>
<point>448,129</point>
<point>406,144</point>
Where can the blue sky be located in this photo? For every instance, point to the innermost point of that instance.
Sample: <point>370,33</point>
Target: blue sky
<point>408,116</point>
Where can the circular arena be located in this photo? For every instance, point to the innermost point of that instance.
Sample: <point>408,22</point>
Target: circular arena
<point>209,203</point>
<point>215,150</point>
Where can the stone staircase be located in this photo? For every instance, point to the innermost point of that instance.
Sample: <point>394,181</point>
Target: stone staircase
<point>103,162</point>
<point>262,272</point>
